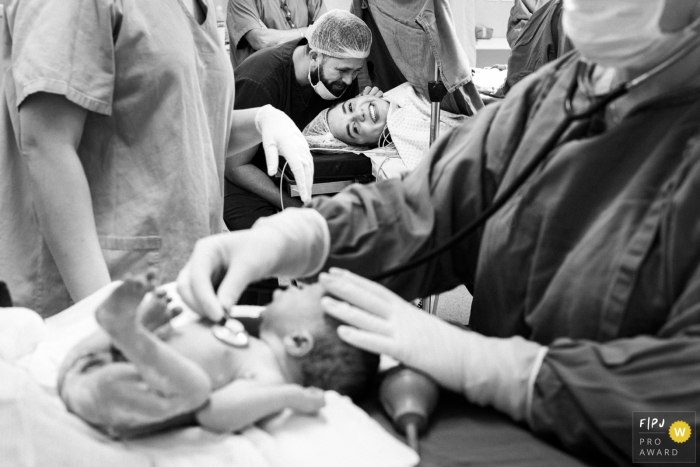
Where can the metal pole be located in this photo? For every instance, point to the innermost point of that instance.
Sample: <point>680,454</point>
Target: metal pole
<point>435,112</point>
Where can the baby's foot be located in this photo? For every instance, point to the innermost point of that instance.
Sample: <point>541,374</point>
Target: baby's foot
<point>119,312</point>
<point>153,311</point>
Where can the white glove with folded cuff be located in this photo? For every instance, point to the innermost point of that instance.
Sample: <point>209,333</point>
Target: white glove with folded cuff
<point>293,243</point>
<point>488,371</point>
<point>281,136</point>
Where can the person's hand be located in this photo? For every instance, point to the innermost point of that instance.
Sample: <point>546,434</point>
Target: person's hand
<point>293,243</point>
<point>281,136</point>
<point>371,91</point>
<point>306,400</point>
<point>382,322</point>
<point>489,371</point>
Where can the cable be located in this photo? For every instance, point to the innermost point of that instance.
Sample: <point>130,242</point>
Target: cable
<point>286,162</point>
<point>545,150</point>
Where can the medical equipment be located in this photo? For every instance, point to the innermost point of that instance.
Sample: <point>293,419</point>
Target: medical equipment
<point>230,331</point>
<point>571,116</point>
<point>409,398</point>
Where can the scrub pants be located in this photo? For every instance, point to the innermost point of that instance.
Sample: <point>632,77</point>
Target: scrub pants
<point>241,209</point>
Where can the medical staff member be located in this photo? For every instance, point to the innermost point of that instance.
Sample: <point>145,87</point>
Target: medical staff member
<point>116,119</point>
<point>259,24</point>
<point>586,283</point>
<point>300,78</point>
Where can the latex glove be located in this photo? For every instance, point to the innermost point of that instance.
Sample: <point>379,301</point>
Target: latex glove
<point>281,136</point>
<point>488,371</point>
<point>293,243</point>
<point>371,91</point>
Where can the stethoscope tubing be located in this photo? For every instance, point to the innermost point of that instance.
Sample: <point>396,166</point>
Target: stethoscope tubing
<point>571,115</point>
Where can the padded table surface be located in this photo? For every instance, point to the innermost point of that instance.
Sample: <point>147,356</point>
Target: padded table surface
<point>461,434</point>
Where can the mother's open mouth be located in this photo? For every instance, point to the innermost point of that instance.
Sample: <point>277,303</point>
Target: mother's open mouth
<point>373,113</point>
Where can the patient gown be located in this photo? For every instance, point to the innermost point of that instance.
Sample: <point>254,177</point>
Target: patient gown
<point>597,256</point>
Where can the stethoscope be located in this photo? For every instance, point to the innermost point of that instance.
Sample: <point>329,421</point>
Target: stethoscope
<point>232,332</point>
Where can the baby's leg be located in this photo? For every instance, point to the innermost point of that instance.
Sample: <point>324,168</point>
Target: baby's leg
<point>167,372</point>
<point>113,397</point>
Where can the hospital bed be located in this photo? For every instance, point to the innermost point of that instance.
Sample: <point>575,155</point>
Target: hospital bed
<point>36,430</point>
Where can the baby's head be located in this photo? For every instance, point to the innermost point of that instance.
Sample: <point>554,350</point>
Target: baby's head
<point>357,122</point>
<point>305,340</point>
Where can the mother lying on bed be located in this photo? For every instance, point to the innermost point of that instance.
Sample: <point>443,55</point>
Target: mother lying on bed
<point>399,119</point>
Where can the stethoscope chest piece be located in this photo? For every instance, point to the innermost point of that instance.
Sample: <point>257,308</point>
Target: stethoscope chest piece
<point>232,333</point>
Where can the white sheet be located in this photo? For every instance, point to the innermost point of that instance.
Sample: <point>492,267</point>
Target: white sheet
<point>36,430</point>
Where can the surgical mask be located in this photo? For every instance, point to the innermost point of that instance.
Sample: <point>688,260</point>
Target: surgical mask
<point>622,34</point>
<point>321,88</point>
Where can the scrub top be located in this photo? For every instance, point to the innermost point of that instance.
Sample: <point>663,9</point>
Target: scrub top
<point>596,256</point>
<point>159,92</point>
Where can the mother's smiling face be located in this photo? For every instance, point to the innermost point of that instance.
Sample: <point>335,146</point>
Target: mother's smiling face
<point>359,121</point>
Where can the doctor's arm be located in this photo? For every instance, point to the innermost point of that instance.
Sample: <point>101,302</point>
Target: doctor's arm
<point>52,127</point>
<point>260,38</point>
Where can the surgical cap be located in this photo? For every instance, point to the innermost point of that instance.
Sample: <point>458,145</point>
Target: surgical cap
<point>340,34</point>
<point>319,136</point>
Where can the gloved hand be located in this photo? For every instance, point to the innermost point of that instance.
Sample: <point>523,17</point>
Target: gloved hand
<point>488,371</point>
<point>293,243</point>
<point>281,136</point>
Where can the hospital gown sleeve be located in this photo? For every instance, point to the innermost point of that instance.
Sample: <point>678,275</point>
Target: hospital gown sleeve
<point>374,227</point>
<point>66,48</point>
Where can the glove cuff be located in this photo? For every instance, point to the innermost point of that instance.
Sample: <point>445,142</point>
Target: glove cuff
<point>501,373</point>
<point>260,116</point>
<point>306,239</point>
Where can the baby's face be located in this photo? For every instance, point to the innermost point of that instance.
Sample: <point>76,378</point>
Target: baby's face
<point>359,121</point>
<point>292,309</point>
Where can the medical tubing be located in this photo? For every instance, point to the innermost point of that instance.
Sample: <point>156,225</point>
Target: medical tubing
<point>281,180</point>
<point>490,211</point>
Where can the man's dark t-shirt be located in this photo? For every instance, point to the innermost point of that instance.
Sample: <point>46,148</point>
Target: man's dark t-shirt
<point>267,77</point>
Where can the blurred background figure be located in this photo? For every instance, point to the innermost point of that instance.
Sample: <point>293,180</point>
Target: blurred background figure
<point>258,24</point>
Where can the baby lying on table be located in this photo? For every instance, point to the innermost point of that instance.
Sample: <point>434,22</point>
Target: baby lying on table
<point>130,382</point>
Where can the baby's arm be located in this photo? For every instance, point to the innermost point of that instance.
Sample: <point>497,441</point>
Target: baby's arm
<point>244,402</point>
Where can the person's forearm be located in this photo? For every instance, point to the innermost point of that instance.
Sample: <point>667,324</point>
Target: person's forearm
<point>64,209</point>
<point>251,178</point>
<point>243,403</point>
<point>244,134</point>
<point>264,38</point>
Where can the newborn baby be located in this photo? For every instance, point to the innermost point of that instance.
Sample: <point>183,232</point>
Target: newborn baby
<point>127,381</point>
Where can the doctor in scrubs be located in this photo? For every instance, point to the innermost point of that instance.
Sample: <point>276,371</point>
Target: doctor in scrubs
<point>116,119</point>
<point>586,282</point>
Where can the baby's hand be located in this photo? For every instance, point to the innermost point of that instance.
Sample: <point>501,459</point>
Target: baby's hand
<point>307,400</point>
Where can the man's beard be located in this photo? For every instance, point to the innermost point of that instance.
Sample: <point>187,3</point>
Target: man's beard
<point>336,87</point>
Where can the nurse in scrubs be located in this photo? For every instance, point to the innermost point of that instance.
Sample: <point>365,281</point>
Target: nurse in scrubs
<point>115,121</point>
<point>586,283</point>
